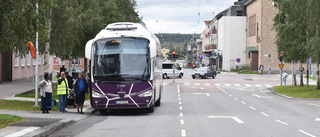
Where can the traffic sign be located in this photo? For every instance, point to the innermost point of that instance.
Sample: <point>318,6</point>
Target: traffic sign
<point>281,66</point>
<point>238,60</point>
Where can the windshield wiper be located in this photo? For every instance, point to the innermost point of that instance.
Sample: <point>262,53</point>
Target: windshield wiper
<point>113,75</point>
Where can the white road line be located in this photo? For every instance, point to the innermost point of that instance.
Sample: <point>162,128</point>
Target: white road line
<point>179,98</point>
<point>165,83</point>
<point>247,85</point>
<point>232,117</point>
<point>236,98</point>
<point>265,114</point>
<point>23,132</point>
<point>181,114</point>
<point>284,123</point>
<point>227,84</point>
<point>180,107</point>
<point>222,90</point>
<point>317,119</point>
<point>179,95</point>
<point>258,86</point>
<point>217,84</point>
<point>178,89</point>
<point>186,83</point>
<point>243,102</point>
<point>269,86</point>
<point>230,95</point>
<point>183,133</point>
<point>181,122</point>
<point>197,84</point>
<point>252,108</point>
<point>241,89</point>
<point>304,132</point>
<point>314,105</point>
<point>237,85</point>
<point>207,84</point>
<point>180,103</point>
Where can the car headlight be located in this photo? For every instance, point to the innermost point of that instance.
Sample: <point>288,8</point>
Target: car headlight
<point>146,94</point>
<point>97,95</point>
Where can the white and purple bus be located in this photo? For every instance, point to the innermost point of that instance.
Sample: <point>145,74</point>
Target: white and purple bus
<point>125,68</point>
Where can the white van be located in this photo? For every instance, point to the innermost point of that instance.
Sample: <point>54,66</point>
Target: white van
<point>167,70</point>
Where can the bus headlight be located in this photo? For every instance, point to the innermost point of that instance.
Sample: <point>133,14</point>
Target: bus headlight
<point>97,95</point>
<point>146,94</point>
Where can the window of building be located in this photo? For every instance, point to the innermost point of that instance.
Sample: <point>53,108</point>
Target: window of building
<point>23,61</point>
<point>29,59</point>
<point>239,13</point>
<point>252,25</point>
<point>76,61</point>
<point>16,61</point>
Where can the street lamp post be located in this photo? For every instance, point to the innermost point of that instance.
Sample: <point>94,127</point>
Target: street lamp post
<point>37,69</point>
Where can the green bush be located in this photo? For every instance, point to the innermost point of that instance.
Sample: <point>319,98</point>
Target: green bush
<point>234,70</point>
<point>246,68</point>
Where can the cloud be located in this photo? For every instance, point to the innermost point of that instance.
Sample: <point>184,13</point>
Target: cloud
<point>179,16</point>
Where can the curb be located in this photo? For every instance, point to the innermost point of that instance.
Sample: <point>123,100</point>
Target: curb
<point>292,98</point>
<point>47,130</point>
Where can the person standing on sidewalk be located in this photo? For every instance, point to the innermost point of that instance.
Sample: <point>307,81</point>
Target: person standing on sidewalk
<point>46,94</point>
<point>285,76</point>
<point>80,89</point>
<point>261,67</point>
<point>62,91</point>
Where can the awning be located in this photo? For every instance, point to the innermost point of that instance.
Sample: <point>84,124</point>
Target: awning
<point>250,49</point>
<point>213,55</point>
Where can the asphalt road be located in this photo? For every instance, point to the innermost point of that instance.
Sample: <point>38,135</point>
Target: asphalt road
<point>231,105</point>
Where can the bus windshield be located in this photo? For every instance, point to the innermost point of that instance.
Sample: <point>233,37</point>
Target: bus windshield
<point>122,59</point>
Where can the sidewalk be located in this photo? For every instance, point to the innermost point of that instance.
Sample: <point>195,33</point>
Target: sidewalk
<point>38,124</point>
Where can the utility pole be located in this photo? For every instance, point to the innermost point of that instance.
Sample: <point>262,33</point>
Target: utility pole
<point>37,64</point>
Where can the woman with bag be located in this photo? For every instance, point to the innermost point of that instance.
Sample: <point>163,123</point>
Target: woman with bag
<point>46,94</point>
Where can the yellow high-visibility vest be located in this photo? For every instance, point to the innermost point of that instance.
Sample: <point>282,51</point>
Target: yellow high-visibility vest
<point>63,87</point>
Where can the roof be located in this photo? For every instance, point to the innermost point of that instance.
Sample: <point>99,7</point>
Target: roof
<point>249,2</point>
<point>250,49</point>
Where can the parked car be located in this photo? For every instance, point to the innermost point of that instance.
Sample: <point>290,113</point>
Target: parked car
<point>204,72</point>
<point>167,70</point>
<point>75,72</point>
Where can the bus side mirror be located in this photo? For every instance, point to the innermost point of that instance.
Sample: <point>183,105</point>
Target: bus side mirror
<point>88,49</point>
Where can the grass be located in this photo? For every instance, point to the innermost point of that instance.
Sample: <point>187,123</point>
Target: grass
<point>54,95</point>
<point>298,92</point>
<point>22,105</point>
<point>6,120</point>
<point>250,72</point>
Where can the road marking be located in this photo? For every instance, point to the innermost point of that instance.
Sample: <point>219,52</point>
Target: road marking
<point>222,90</point>
<point>314,105</point>
<point>186,83</point>
<point>207,84</point>
<point>230,95</point>
<point>197,84</point>
<point>23,132</point>
<point>179,98</point>
<point>269,86</point>
<point>165,83</point>
<point>264,114</point>
<point>217,84</point>
<point>202,94</point>
<point>258,86</point>
<point>252,108</point>
<point>238,85</point>
<point>181,114</point>
<point>181,122</point>
<point>198,87</point>
<point>241,89</point>
<point>227,84</point>
<point>258,96</point>
<point>247,85</point>
<point>304,132</point>
<point>179,102</point>
<point>178,89</point>
<point>236,98</point>
<point>179,95</point>
<point>284,123</point>
<point>243,102</point>
<point>180,107</point>
<point>317,119</point>
<point>183,133</point>
<point>232,117</point>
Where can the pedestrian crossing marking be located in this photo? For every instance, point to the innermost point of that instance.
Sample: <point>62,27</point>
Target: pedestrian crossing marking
<point>258,86</point>
<point>227,84</point>
<point>186,83</point>
<point>238,85</point>
<point>269,86</point>
<point>247,85</point>
<point>165,83</point>
<point>207,84</point>
<point>217,84</point>
<point>196,83</point>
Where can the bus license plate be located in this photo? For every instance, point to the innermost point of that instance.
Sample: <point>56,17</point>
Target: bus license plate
<point>121,102</point>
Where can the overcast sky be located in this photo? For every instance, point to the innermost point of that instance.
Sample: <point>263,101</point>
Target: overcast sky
<point>179,16</point>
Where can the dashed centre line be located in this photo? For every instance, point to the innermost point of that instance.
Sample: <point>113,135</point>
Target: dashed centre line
<point>243,102</point>
<point>236,98</point>
<point>252,108</point>
<point>304,132</point>
<point>181,114</point>
<point>181,121</point>
<point>180,107</point>
<point>265,114</point>
<point>284,123</point>
<point>183,133</point>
